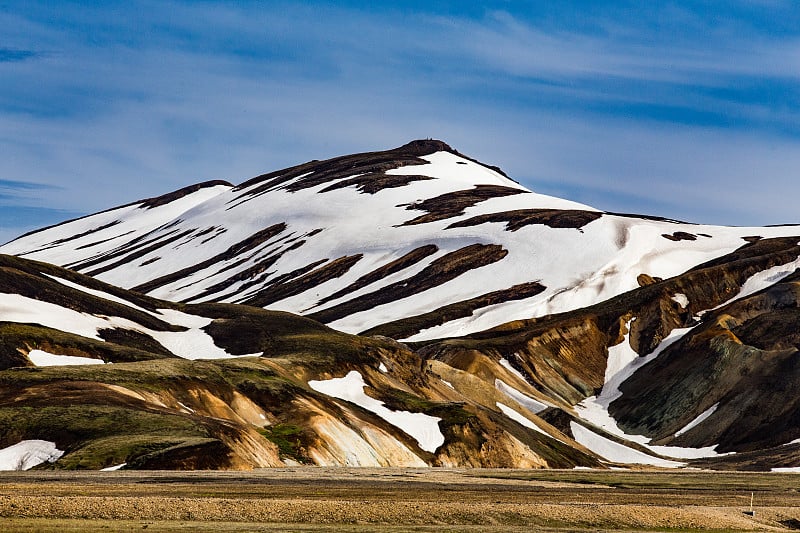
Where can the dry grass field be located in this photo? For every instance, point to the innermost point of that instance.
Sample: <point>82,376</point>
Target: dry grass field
<point>312,499</point>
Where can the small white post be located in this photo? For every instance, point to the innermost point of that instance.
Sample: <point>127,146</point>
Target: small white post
<point>751,512</point>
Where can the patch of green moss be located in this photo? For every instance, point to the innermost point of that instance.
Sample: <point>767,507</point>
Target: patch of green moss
<point>73,426</point>
<point>15,337</point>
<point>289,440</point>
<point>111,451</point>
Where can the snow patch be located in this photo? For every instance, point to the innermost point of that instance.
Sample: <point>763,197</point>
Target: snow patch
<point>26,454</point>
<point>422,427</point>
<point>615,452</point>
<point>113,468</point>
<point>190,410</point>
<point>681,299</point>
<point>382,368</point>
<point>519,418</point>
<point>535,406</point>
<point>705,414</point>
<point>42,358</point>
<point>786,469</point>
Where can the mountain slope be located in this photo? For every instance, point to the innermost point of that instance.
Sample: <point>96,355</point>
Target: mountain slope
<point>538,332</point>
<point>112,377</point>
<point>369,241</point>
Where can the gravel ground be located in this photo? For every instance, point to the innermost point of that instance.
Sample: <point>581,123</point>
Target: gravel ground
<point>317,499</point>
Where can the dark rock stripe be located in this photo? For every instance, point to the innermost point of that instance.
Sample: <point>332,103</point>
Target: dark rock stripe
<point>453,204</point>
<point>375,182</point>
<point>141,252</point>
<point>87,232</point>
<point>319,172</point>
<point>519,218</point>
<point>135,243</point>
<point>334,269</point>
<point>680,236</point>
<point>165,199</point>
<point>411,258</point>
<point>245,245</point>
<point>134,339</point>
<point>406,327</point>
<point>256,274</point>
<point>95,243</point>
<point>440,271</point>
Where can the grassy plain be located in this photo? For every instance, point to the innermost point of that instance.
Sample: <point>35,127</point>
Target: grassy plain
<point>318,499</point>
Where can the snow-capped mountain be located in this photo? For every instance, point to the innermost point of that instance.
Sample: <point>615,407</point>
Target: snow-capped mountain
<point>538,332</point>
<point>419,243</point>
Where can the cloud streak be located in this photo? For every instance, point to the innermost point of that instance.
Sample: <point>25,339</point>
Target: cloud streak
<point>9,55</point>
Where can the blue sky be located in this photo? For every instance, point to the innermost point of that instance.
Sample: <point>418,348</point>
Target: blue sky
<point>681,109</point>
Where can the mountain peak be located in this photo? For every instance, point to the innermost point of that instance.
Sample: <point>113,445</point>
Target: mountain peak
<point>420,147</point>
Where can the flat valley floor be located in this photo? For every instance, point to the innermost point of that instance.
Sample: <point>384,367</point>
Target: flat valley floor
<point>314,499</point>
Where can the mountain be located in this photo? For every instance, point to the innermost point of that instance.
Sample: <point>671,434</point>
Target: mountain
<point>418,243</point>
<point>535,332</point>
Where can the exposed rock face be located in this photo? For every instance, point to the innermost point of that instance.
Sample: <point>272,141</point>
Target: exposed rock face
<point>498,328</point>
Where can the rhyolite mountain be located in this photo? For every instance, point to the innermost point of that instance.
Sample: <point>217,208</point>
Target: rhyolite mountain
<point>405,307</point>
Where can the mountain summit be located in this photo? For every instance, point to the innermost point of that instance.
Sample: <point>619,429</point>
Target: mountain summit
<point>535,331</point>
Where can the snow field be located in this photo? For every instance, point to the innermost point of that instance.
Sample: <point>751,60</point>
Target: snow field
<point>595,408</point>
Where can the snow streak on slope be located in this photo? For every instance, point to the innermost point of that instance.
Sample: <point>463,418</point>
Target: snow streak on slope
<point>615,452</point>
<point>424,428</point>
<point>519,418</point>
<point>697,420</point>
<point>370,240</point>
<point>191,343</point>
<point>624,361</point>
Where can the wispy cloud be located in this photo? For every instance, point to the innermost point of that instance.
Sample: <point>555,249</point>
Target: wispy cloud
<point>9,55</point>
<point>23,185</point>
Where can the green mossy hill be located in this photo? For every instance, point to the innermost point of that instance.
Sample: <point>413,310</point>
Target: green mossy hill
<point>16,340</point>
<point>242,330</point>
<point>167,413</point>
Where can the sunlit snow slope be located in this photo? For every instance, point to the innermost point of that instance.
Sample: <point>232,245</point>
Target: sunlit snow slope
<point>416,243</point>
